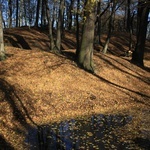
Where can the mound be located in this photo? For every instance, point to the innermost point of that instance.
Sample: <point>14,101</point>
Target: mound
<point>38,87</point>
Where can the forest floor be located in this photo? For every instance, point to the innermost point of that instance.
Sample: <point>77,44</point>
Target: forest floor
<point>38,87</point>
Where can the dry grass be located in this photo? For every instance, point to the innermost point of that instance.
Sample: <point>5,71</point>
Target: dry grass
<point>38,87</point>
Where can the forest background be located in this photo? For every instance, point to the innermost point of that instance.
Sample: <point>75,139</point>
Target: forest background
<point>45,46</point>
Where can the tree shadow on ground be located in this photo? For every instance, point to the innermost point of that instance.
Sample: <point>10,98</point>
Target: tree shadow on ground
<point>108,58</point>
<point>143,143</point>
<point>9,41</point>
<point>69,54</point>
<point>4,145</point>
<point>92,132</point>
<point>20,41</point>
<point>68,43</point>
<point>89,132</point>
<point>125,89</point>
<point>19,111</point>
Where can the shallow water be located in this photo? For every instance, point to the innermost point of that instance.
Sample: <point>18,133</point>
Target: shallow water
<point>91,133</point>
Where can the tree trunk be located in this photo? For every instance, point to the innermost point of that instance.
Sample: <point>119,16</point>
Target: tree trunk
<point>43,14</point>
<point>70,15</point>
<point>138,54</point>
<point>25,12</point>
<point>10,14</point>
<point>128,16</point>
<point>2,52</point>
<point>17,12</point>
<point>37,13</point>
<point>52,45</point>
<point>21,13</point>
<point>85,58</point>
<point>59,26</point>
<point>77,29</point>
<point>109,28</point>
<point>129,28</point>
<point>99,23</point>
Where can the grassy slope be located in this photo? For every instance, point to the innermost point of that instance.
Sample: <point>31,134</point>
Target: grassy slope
<point>38,87</point>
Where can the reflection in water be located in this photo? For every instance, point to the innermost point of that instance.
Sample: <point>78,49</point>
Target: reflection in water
<point>84,134</point>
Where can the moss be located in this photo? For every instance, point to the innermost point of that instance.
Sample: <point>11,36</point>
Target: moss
<point>2,57</point>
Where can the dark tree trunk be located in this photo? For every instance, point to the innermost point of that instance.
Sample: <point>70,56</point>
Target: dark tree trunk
<point>85,58</point>
<point>128,15</point>
<point>17,12</point>
<point>77,29</point>
<point>25,12</point>
<point>43,14</point>
<point>70,15</point>
<point>99,23</point>
<point>10,14</point>
<point>52,45</point>
<point>37,13</point>
<point>129,21</point>
<point>59,26</point>
<point>138,54</point>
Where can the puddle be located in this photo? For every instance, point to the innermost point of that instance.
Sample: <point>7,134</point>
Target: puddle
<point>91,133</point>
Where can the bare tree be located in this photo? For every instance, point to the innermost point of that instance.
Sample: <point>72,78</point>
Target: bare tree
<point>59,26</point>
<point>17,12</point>
<point>85,57</point>
<point>110,26</point>
<point>143,11</point>
<point>77,29</point>
<point>70,14</point>
<point>2,51</point>
<point>50,27</point>
<point>43,14</point>
<point>37,12</point>
<point>10,13</point>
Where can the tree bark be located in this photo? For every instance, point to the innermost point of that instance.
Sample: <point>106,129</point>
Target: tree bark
<point>109,28</point>
<point>10,14</point>
<point>43,14</point>
<point>37,13</point>
<point>2,51</point>
<point>70,14</point>
<point>138,54</point>
<point>59,26</point>
<point>17,12</point>
<point>99,23</point>
<point>77,29</point>
<point>85,58</point>
<point>52,45</point>
<point>128,15</point>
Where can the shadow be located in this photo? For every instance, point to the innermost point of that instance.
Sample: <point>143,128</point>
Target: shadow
<point>119,46</point>
<point>20,43</point>
<point>5,145</point>
<point>146,68</point>
<point>142,67</point>
<point>70,55</point>
<point>10,42</point>
<point>143,143</point>
<point>112,64</point>
<point>70,44</point>
<point>20,112</point>
<point>94,132</point>
<point>124,88</point>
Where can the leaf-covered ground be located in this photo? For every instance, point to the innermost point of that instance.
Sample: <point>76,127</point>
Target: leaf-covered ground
<point>38,87</point>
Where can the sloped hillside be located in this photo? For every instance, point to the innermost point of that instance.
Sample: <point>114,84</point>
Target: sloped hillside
<point>38,87</point>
